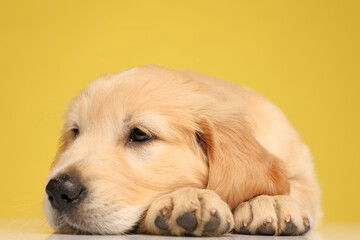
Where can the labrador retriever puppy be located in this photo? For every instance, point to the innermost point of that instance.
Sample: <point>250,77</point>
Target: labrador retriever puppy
<point>159,151</point>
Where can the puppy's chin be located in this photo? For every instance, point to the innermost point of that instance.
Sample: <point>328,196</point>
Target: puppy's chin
<point>94,218</point>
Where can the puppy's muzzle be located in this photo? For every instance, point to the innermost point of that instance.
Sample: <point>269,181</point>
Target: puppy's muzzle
<point>64,192</point>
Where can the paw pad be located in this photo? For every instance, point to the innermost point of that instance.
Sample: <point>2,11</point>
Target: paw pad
<point>244,230</point>
<point>266,228</point>
<point>160,222</point>
<point>212,224</point>
<point>306,226</point>
<point>290,229</point>
<point>187,221</point>
<point>188,212</point>
<point>226,229</point>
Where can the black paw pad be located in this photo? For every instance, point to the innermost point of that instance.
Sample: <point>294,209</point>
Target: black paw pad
<point>160,222</point>
<point>266,229</point>
<point>244,230</point>
<point>307,228</point>
<point>187,221</point>
<point>290,229</point>
<point>226,229</point>
<point>212,224</point>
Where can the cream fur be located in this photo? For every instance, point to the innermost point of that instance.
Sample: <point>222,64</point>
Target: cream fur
<point>208,134</point>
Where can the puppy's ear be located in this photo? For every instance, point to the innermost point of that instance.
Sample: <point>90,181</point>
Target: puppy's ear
<point>239,167</point>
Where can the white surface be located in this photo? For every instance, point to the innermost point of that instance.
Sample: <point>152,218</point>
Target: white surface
<point>35,230</point>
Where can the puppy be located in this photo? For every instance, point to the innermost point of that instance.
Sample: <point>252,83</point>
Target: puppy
<point>166,152</point>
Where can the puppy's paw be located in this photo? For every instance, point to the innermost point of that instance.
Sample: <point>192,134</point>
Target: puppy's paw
<point>188,211</point>
<point>271,215</point>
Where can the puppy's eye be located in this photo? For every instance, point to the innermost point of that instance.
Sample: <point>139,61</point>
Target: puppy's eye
<point>76,132</point>
<point>140,135</point>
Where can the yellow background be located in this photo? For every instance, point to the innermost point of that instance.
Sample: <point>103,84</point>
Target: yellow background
<point>303,55</point>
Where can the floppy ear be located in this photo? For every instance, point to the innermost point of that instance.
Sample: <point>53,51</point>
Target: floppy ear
<point>239,167</point>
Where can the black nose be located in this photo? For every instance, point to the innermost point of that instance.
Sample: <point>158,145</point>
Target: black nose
<point>64,192</point>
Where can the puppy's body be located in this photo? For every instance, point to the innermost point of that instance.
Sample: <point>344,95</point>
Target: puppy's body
<point>205,133</point>
<point>274,132</point>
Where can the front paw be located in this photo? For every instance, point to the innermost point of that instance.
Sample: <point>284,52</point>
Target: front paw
<point>271,215</point>
<point>188,211</point>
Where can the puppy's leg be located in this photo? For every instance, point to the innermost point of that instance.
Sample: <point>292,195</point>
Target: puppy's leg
<point>188,211</point>
<point>272,215</point>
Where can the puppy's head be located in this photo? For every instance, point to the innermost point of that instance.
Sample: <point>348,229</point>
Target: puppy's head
<point>128,138</point>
